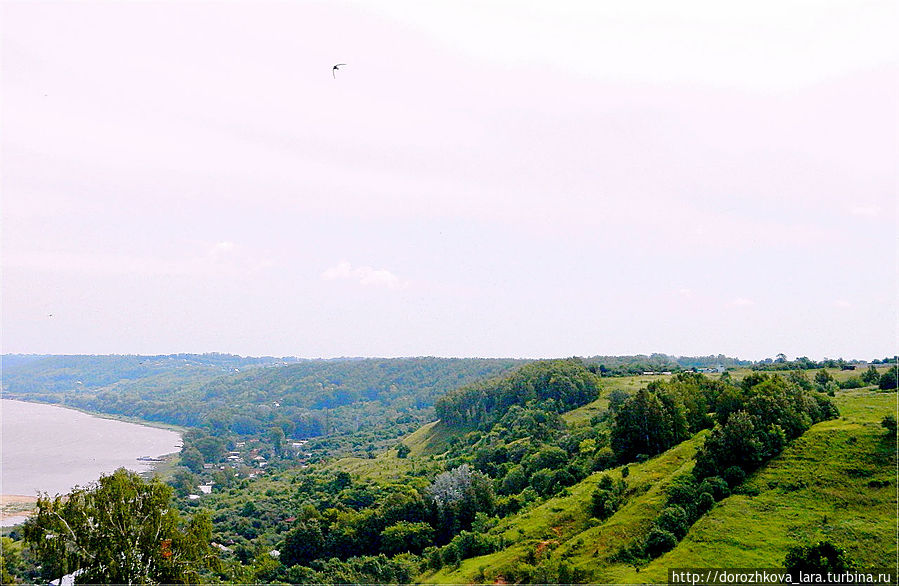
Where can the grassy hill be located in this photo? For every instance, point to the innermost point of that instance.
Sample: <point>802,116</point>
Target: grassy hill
<point>563,526</point>
<point>836,482</point>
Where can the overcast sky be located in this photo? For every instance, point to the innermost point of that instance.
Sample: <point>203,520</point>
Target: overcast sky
<point>532,179</point>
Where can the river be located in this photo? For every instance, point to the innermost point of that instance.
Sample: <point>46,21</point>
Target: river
<point>51,449</point>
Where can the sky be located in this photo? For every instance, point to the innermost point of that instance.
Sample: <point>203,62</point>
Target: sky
<point>482,178</point>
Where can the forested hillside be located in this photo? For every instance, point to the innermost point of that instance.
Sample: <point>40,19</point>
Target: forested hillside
<point>538,472</point>
<point>229,395</point>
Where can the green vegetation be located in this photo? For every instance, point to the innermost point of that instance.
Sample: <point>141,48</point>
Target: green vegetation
<point>821,558</point>
<point>556,471</point>
<point>560,385</point>
<point>121,530</point>
<point>357,403</point>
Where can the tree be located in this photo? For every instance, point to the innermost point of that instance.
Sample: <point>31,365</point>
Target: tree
<point>650,422</point>
<point>10,557</point>
<point>119,530</point>
<point>276,437</point>
<point>404,536</point>
<point>192,459</point>
<point>303,543</point>
<point>659,541</point>
<point>820,558</point>
<point>870,376</point>
<point>456,496</point>
<point>889,379</point>
<point>402,450</point>
<point>822,377</point>
<point>607,497</point>
<point>673,519</point>
<point>184,482</point>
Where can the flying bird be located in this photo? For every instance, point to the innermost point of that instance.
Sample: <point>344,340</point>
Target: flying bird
<point>335,69</point>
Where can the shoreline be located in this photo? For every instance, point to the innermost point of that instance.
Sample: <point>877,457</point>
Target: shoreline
<point>112,416</point>
<point>14,506</point>
<point>158,464</point>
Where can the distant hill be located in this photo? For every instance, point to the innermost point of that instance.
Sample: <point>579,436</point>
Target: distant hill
<point>233,394</point>
<point>24,374</point>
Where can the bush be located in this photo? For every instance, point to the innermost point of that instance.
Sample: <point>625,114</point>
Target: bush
<point>682,492</point>
<point>433,556</point>
<point>870,376</point>
<point>607,497</point>
<point>659,541</point>
<point>715,486</point>
<point>853,382</point>
<point>515,480</point>
<point>734,476</point>
<point>545,483</point>
<point>406,537</point>
<point>889,423</point>
<point>604,459</point>
<point>888,380</point>
<point>704,503</point>
<point>469,544</point>
<point>450,554</point>
<point>674,520</point>
<point>820,558</point>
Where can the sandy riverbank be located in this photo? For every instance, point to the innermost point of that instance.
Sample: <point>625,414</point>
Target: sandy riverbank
<point>16,505</point>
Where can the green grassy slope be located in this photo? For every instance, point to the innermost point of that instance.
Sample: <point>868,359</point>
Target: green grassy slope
<point>826,485</point>
<point>563,523</point>
<point>433,438</point>
<point>837,482</point>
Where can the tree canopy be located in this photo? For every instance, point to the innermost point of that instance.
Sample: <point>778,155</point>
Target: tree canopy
<point>119,530</point>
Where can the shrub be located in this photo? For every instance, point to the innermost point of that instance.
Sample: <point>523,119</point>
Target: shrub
<point>406,537</point>
<point>715,486</point>
<point>704,503</point>
<point>889,423</point>
<point>433,556</point>
<point>673,519</point>
<point>607,497</point>
<point>820,558</point>
<point>659,541</point>
<point>888,380</point>
<point>870,376</point>
<point>734,476</point>
<point>605,458</point>
<point>682,492</point>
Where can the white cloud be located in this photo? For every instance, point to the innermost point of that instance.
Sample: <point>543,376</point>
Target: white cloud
<point>842,304</point>
<point>364,275</point>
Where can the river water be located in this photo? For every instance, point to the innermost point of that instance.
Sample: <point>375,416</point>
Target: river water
<point>51,449</point>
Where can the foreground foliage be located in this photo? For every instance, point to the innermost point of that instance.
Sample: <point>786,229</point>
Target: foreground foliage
<point>119,530</point>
